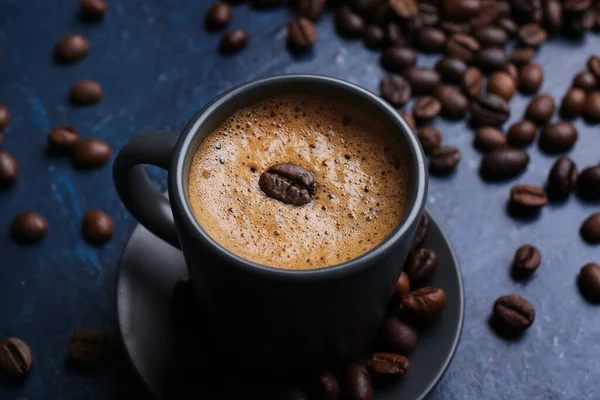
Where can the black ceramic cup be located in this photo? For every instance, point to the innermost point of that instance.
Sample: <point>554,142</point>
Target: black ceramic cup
<point>285,318</point>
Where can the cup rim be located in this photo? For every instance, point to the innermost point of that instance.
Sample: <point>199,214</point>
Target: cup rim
<point>185,217</point>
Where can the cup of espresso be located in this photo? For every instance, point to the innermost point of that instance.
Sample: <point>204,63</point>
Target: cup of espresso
<point>294,200</point>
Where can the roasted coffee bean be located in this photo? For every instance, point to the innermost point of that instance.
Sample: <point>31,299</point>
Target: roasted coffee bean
<point>288,183</point>
<point>430,138</point>
<point>90,153</point>
<point>586,81</point>
<point>502,84</point>
<point>488,13</point>
<point>489,109</point>
<point>540,109</point>
<point>405,9</point>
<point>29,227</point>
<point>454,103</point>
<point>428,14</point>
<point>16,358</point>
<point>311,8</point>
<point>92,9</point>
<point>532,35</point>
<point>218,15</point>
<point>348,23</point>
<point>72,48</point>
<point>9,169</point>
<point>522,55</point>
<point>589,183</point>
<point>357,383</point>
<point>63,138</point>
<point>324,386</point>
<point>460,9</point>
<point>409,119</point>
<point>490,59</point>
<point>421,232</point>
<point>86,93</point>
<point>395,90</point>
<point>452,27</point>
<point>463,47</point>
<point>521,133</point>
<point>558,137</point>
<point>553,15</point>
<point>398,59</point>
<point>527,259</point>
<point>394,36</point>
<point>374,36</point>
<point>421,265</point>
<point>402,285</point>
<point>590,229</point>
<point>514,312</point>
<point>301,33</point>
<point>444,159</point>
<point>509,26</point>
<point>573,103</point>
<point>589,281</point>
<point>472,81</point>
<point>591,109</point>
<point>431,39</point>
<point>503,163</point>
<point>397,336</point>
<point>451,69</point>
<point>491,36</point>
<point>387,366</point>
<point>562,179</point>
<point>4,117</point>
<point>422,80</point>
<point>423,306</point>
<point>511,70</point>
<point>426,108</point>
<point>576,23</point>
<point>529,197</point>
<point>87,347</point>
<point>97,226</point>
<point>233,41</point>
<point>531,77</point>
<point>489,138</point>
<point>576,6</point>
<point>593,64</point>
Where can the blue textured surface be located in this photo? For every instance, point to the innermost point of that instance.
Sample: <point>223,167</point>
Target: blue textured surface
<point>158,66</point>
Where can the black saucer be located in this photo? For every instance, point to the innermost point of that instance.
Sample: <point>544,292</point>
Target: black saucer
<point>150,268</point>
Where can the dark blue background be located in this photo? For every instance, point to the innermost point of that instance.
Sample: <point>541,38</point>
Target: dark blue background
<point>158,66</point>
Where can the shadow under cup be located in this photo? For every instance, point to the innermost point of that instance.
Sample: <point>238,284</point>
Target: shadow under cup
<point>292,319</point>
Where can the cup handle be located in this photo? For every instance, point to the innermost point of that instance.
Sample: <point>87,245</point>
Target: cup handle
<point>143,200</point>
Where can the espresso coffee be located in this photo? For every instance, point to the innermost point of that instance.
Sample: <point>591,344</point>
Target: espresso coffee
<point>361,176</point>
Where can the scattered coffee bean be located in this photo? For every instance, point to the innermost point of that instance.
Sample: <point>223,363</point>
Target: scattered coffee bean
<point>521,133</point>
<point>91,153</point>
<point>528,197</point>
<point>491,36</point>
<point>374,36</point>
<point>511,70</point>
<point>423,306</point>
<point>558,137</point>
<point>472,81</point>
<point>398,59</point>
<point>502,84</point>
<point>454,103</point>
<point>586,81</point>
<point>531,77</point>
<point>593,65</point>
<point>430,138</point>
<point>428,14</point>
<point>522,55</point>
<point>488,13</point>
<point>16,358</point>
<point>514,312</point>
<point>311,8</point>
<point>590,229</point>
<point>402,285</point>
<point>527,259</point>
<point>288,183</point>
<point>562,179</point>
<point>324,386</point>
<point>387,366</point>
<point>444,159</point>
<point>233,41</point>
<point>463,47</point>
<point>540,109</point>
<point>422,79</point>
<point>348,23</point>
<point>395,90</point>
<point>219,15</point>
<point>86,93</point>
<point>431,39</point>
<point>92,10</point>
<point>489,138</point>
<point>301,33</point>
<point>589,183</point>
<point>532,35</point>
<point>97,226</point>
<point>9,169</point>
<point>460,9</point>
<point>509,26</point>
<point>72,48</point>
<point>504,163</point>
<point>591,109</point>
<point>589,281</point>
<point>421,265</point>
<point>4,117</point>
<point>553,18</point>
<point>452,27</point>
<point>397,336</point>
<point>87,347</point>
<point>357,383</point>
<point>421,232</point>
<point>489,109</point>
<point>490,59</point>
<point>426,108</point>
<point>451,69</point>
<point>573,103</point>
<point>394,36</point>
<point>405,9</point>
<point>29,227</point>
<point>63,138</point>
<point>409,119</point>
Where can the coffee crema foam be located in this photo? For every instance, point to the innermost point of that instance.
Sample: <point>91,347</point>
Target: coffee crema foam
<point>362,182</point>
